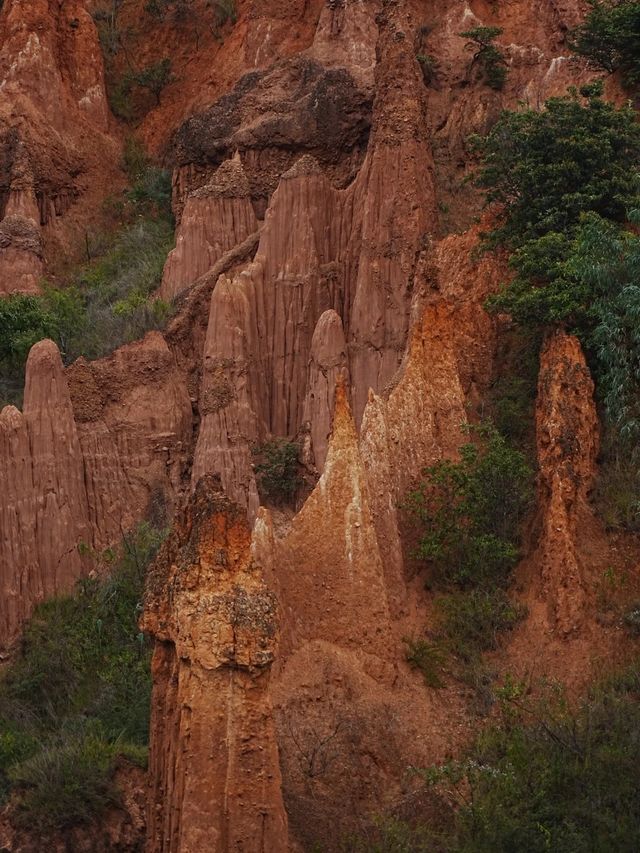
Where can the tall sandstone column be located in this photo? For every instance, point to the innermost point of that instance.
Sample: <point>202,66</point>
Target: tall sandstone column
<point>215,773</point>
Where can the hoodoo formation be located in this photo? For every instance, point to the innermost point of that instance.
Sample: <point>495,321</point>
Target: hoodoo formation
<point>319,414</point>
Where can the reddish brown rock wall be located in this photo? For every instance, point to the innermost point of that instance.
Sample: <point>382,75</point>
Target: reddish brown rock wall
<point>97,448</point>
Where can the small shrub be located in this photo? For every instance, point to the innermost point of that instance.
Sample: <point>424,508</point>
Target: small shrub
<point>119,97</point>
<point>429,658</point>
<point>472,621</point>
<point>278,471</point>
<point>471,511</point>
<point>106,16</point>
<point>135,160</point>
<point>489,57</point>
<point>632,620</point>
<point>429,67</point>
<point>157,8</point>
<point>223,11</point>
<point>154,77</point>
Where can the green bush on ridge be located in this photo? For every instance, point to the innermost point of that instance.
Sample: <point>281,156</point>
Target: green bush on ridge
<point>489,57</point>
<point>277,469</point>
<point>471,511</point>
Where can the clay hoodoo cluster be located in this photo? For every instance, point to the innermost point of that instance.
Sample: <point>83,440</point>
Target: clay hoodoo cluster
<point>58,155</point>
<point>315,295</point>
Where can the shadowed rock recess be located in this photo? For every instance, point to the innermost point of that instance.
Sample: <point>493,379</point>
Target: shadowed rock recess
<point>326,290</point>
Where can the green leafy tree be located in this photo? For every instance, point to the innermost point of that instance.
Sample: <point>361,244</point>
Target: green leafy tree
<point>590,284</point>
<point>155,77</point>
<point>610,38</point>
<point>487,55</point>
<point>545,169</point>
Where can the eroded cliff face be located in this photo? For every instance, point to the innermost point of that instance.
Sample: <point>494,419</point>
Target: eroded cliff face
<point>45,507</point>
<point>316,181</point>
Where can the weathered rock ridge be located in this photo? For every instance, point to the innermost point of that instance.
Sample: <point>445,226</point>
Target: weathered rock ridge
<point>44,512</point>
<point>96,449</point>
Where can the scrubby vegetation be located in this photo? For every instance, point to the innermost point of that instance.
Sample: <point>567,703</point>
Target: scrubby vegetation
<point>78,694</point>
<point>510,402</point>
<point>106,301</point>
<point>552,778</point>
<point>610,38</point>
<point>128,83</point>
<point>471,511</point>
<point>277,470</point>
<point>429,66</point>
<point>427,657</point>
<point>152,78</point>
<point>470,514</point>
<point>544,776</point>
<point>223,11</point>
